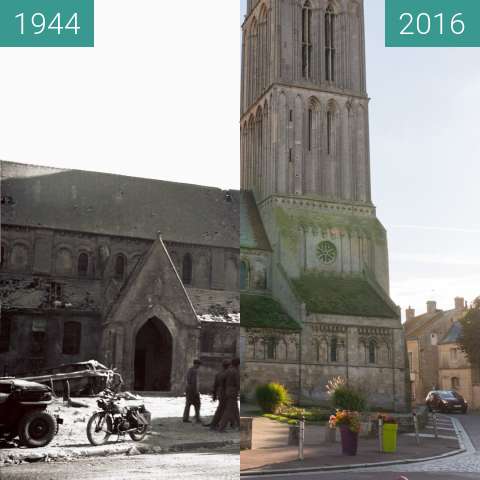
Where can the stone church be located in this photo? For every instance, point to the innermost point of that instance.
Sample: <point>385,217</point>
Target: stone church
<point>139,274</point>
<point>314,260</point>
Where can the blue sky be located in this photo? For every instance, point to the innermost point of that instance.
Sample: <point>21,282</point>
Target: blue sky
<point>425,168</point>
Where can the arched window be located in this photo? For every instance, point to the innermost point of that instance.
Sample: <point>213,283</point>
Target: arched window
<point>307,47</point>
<point>187,269</point>
<point>330,44</point>
<point>120,263</point>
<point>72,338</point>
<point>329,131</point>
<point>455,383</point>
<point>83,264</point>
<point>270,348</point>
<point>244,275</point>
<point>372,351</point>
<point>310,129</point>
<point>334,350</point>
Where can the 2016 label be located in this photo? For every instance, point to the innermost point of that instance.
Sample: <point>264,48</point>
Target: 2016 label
<point>423,24</point>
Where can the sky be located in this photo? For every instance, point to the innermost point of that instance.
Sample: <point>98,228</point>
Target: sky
<point>425,164</point>
<point>158,97</point>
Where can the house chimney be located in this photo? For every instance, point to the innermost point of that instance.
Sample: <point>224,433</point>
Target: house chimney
<point>431,307</point>
<point>459,303</point>
<point>409,313</point>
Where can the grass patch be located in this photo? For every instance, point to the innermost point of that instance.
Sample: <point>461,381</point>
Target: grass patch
<point>292,415</point>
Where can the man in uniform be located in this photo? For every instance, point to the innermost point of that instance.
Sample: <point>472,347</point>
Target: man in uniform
<point>231,414</point>
<point>192,393</point>
<point>219,394</point>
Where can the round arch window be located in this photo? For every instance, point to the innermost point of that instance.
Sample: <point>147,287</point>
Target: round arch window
<point>327,252</point>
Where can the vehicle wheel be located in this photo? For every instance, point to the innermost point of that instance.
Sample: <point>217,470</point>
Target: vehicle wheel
<point>464,411</point>
<point>139,434</point>
<point>37,429</point>
<point>430,409</point>
<point>98,429</point>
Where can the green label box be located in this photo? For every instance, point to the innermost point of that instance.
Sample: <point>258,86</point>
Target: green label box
<point>47,23</point>
<point>432,23</point>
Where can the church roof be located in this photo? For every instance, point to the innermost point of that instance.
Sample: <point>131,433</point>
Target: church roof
<point>453,335</point>
<point>339,295</point>
<point>118,205</point>
<point>252,233</point>
<point>262,311</point>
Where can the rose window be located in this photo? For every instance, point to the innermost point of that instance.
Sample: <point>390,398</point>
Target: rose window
<point>327,252</point>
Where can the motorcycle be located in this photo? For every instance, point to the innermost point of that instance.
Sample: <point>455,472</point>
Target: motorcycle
<point>120,414</point>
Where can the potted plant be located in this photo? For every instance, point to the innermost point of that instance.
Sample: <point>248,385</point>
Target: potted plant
<point>389,433</point>
<point>349,424</point>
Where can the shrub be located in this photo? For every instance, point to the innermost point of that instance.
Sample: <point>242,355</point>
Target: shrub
<point>272,397</point>
<point>344,397</point>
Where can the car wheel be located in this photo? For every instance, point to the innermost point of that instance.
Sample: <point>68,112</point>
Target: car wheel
<point>37,429</point>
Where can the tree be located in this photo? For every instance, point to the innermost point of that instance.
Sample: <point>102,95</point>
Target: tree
<point>470,337</point>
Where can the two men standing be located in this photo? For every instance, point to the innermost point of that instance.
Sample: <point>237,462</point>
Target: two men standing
<point>226,389</point>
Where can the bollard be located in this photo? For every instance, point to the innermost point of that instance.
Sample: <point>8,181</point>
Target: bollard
<point>380,433</point>
<point>301,438</point>
<point>435,427</point>
<point>415,424</point>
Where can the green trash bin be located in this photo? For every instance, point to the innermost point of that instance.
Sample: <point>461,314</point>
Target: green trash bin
<point>390,431</point>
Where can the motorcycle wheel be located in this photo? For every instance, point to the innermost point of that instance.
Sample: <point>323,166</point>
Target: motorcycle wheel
<point>37,429</point>
<point>98,430</point>
<point>139,434</point>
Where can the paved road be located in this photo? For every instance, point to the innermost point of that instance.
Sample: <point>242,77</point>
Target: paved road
<point>199,466</point>
<point>460,467</point>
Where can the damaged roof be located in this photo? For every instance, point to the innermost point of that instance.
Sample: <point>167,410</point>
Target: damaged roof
<point>109,204</point>
<point>252,232</point>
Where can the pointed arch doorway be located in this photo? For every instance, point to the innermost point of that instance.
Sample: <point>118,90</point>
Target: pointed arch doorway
<point>153,357</point>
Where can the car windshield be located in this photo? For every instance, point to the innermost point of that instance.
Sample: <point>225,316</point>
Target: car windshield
<point>446,395</point>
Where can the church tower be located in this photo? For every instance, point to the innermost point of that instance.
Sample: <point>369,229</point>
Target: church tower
<point>314,259</point>
<point>304,127</point>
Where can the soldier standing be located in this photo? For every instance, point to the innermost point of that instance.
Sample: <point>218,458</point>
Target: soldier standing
<point>219,394</point>
<point>231,413</point>
<point>192,393</point>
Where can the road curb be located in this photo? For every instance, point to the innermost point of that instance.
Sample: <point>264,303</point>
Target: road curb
<point>138,449</point>
<point>330,468</point>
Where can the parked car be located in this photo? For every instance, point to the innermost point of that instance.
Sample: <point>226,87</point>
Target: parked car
<point>23,413</point>
<point>446,401</point>
<point>84,378</point>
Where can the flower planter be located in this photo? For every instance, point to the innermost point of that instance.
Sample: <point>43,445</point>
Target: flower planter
<point>349,441</point>
<point>390,431</point>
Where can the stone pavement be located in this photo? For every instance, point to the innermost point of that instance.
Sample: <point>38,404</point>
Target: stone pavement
<point>270,450</point>
<point>468,462</point>
<point>168,434</point>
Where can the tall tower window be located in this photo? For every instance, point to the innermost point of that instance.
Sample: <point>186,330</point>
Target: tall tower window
<point>120,262</point>
<point>307,47</point>
<point>310,128</point>
<point>330,44</point>
<point>329,131</point>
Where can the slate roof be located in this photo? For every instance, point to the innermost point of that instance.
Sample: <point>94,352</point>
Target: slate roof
<point>417,325</point>
<point>119,205</point>
<point>262,311</point>
<point>338,295</point>
<point>453,335</point>
<point>252,233</point>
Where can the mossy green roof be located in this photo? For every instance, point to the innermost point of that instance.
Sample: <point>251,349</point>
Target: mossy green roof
<point>258,311</point>
<point>338,295</point>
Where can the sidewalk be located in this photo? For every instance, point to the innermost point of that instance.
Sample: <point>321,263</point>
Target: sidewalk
<point>168,434</point>
<point>271,451</point>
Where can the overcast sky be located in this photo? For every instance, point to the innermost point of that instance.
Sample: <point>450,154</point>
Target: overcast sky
<point>158,97</point>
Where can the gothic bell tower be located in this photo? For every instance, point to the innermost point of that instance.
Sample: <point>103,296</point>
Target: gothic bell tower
<point>305,136</point>
<point>304,103</point>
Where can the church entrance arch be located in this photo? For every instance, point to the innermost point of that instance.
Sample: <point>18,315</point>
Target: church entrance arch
<point>153,357</point>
